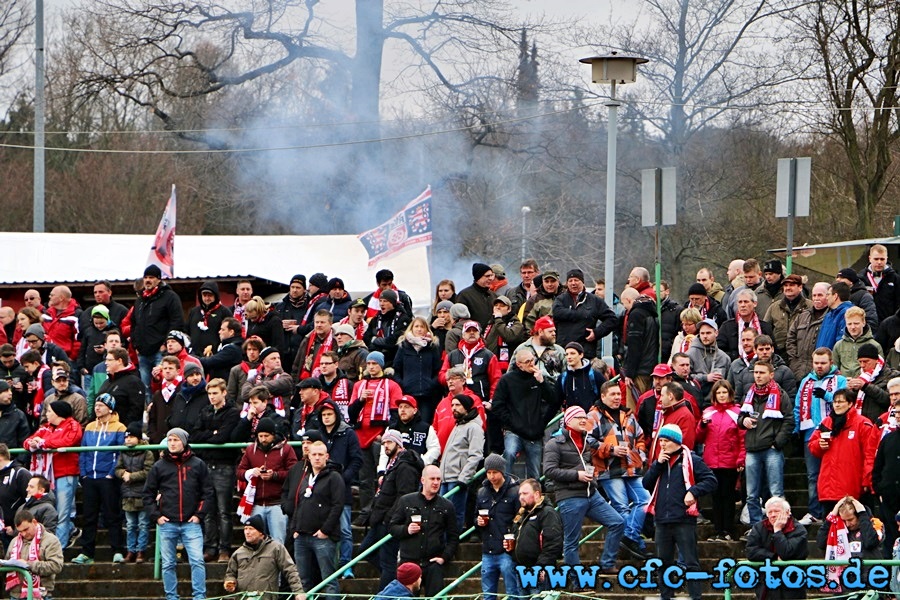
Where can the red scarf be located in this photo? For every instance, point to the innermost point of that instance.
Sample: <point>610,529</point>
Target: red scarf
<point>687,472</point>
<point>468,353</point>
<point>742,325</point>
<point>868,377</point>
<point>871,277</point>
<point>374,306</point>
<point>807,398</point>
<point>206,312</point>
<point>772,409</point>
<point>147,294</point>
<point>837,547</point>
<point>381,401</point>
<point>311,364</point>
<point>359,329</point>
<point>14,578</point>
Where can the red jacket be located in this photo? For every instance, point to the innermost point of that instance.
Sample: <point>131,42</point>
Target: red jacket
<point>65,435</point>
<point>847,464</point>
<point>724,440</point>
<point>61,327</point>
<point>280,458</point>
<point>678,414</point>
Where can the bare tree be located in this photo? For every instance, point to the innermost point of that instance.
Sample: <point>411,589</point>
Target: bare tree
<point>15,20</point>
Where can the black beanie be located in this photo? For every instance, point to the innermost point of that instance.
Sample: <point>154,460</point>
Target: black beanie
<point>478,270</point>
<point>62,409</point>
<point>696,289</point>
<point>466,401</point>
<point>867,351</point>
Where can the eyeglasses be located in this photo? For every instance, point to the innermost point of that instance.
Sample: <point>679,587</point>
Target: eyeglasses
<point>325,364</point>
<point>840,401</point>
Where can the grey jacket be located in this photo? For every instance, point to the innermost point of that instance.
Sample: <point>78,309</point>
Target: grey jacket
<point>562,464</point>
<point>464,450</point>
<point>707,359</point>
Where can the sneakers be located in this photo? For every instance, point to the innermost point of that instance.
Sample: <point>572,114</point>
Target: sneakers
<point>348,574</point>
<point>726,538</point>
<point>720,538</point>
<point>84,559</point>
<point>118,558</point>
<point>73,538</point>
<point>808,520</point>
<point>632,548</point>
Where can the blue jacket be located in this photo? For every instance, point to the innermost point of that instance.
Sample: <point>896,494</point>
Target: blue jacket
<point>98,465</point>
<point>833,326</point>
<point>417,371</point>
<point>503,506</point>
<point>670,506</point>
<point>816,414</point>
<point>394,589</point>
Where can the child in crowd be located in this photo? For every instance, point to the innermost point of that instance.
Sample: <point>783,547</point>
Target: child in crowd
<point>133,468</point>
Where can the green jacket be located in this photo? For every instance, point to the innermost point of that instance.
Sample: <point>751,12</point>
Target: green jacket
<point>846,348</point>
<point>258,569</point>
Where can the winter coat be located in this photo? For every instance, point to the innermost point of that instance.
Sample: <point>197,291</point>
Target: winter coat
<point>830,383</point>
<point>158,417</point>
<point>101,465</point>
<point>848,462</point>
<point>279,384</point>
<point>670,324</point>
<point>153,318</point>
<point>226,355</point>
<point>352,359</point>
<point>780,315</point>
<point>833,326</point>
<point>769,432</point>
<point>865,534</point>
<point>186,405</point>
<point>886,467</point>
<point>129,391</point>
<point>464,449</point>
<point>321,510</point>
<point>61,328</point>
<point>574,315</point>
<point>580,387</point>
<point>640,349</point>
<point>480,302</point>
<point>563,461</point>
<point>237,377</point>
<point>502,335</point>
<point>485,371</point>
<point>439,535</point>
<point>784,377</point>
<point>259,569</point>
<point>384,331</point>
<point>67,434</point>
<point>677,414</point>
<point>48,565</point>
<point>502,506</point>
<point>610,433</point>
<point>279,459</point>
<point>888,331</point>
<point>73,399</point>
<point>204,321</point>
<point>44,510</point>
<point>343,449</point>
<point>418,435</point>
<point>417,370</point>
<point>394,589</point>
<point>138,463</point>
<point>401,478</point>
<point>863,299</point>
<point>216,427</point>
<point>707,359</point>
<point>722,438</point>
<point>887,296</point>
<point>13,483</point>
<point>729,342</point>
<point>539,305</point>
<point>801,340</point>
<point>539,536</point>
<point>13,426</point>
<point>877,399</point>
<point>270,329</point>
<point>92,338</point>
<point>668,480</point>
<point>181,484</point>
<point>524,406</point>
<point>791,543</point>
<point>361,409</point>
<point>845,350</point>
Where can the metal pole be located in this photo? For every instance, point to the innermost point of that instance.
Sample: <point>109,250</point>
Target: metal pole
<point>525,211</point>
<point>610,245</point>
<point>792,208</point>
<point>658,270</point>
<point>38,205</point>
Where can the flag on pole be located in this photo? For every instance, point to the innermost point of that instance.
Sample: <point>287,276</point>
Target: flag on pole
<point>162,253</point>
<point>409,228</point>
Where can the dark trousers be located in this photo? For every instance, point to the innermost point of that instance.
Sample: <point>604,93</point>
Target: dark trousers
<point>432,578</point>
<point>684,537</point>
<point>218,525</point>
<point>723,500</point>
<point>368,474</point>
<point>385,558</point>
<point>102,496</point>
<point>888,508</point>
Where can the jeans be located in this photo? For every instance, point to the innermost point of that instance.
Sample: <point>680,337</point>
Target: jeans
<point>458,499</point>
<point>218,518</point>
<point>684,536</point>
<point>513,444</point>
<point>346,546</point>
<point>65,504</point>
<point>813,465</point>
<point>770,462</point>
<point>145,365</point>
<point>623,491</point>
<point>385,558</point>
<point>138,530</point>
<point>572,511</point>
<point>310,551</point>
<point>492,567</point>
<point>102,497</point>
<point>276,521</point>
<point>190,535</point>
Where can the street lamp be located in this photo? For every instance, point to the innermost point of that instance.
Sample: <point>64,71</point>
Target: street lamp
<point>525,211</point>
<point>613,69</point>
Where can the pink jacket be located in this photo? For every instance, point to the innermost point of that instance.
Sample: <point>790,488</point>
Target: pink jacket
<point>724,441</point>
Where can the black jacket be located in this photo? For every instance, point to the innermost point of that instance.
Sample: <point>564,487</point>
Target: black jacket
<point>401,478</point>
<point>439,535</point>
<point>416,430</point>
<point>182,484</point>
<point>270,329</point>
<point>88,358</point>
<point>763,543</point>
<point>186,407</point>
<point>243,431</point>
<point>343,448</point>
<point>728,341</point>
<point>215,427</point>
<point>640,352</point>
<point>887,297</point>
<point>20,398</point>
<point>502,506</point>
<point>865,534</point>
<point>573,316</point>
<point>417,371</point>
<point>227,355</point>
<point>13,481</point>
<point>384,331</point>
<point>580,387</point>
<point>129,391</point>
<point>670,507</point>
<point>13,428</point>
<point>671,325</point>
<point>886,470</point>
<point>206,333</point>
<point>524,406</point>
<point>321,511</point>
<point>153,318</point>
<point>539,536</point>
<point>287,311</point>
<point>480,302</point>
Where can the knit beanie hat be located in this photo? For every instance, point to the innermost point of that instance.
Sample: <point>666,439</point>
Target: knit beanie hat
<point>377,357</point>
<point>457,311</point>
<point>62,409</point>
<point>258,523</point>
<point>572,413</point>
<point>670,432</point>
<point>392,435</point>
<point>696,289</point>
<point>35,329</point>
<point>408,573</point>
<point>495,462</point>
<point>180,433</point>
<point>479,269</point>
<point>867,351</point>
<point>466,401</point>
<point>391,296</point>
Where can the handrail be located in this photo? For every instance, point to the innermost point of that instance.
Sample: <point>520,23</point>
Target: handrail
<point>28,579</point>
<point>806,563</point>
<point>384,540</point>
<point>229,445</point>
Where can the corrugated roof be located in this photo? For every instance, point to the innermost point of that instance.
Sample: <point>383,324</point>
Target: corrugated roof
<point>47,258</point>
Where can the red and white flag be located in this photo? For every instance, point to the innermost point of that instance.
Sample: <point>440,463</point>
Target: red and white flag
<point>409,228</point>
<point>162,253</point>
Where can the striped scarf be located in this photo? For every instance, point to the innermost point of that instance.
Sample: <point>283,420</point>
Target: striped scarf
<point>687,472</point>
<point>868,378</point>
<point>14,578</point>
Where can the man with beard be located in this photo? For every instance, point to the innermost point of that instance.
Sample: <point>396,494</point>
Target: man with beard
<point>227,353</point>
<point>260,563</point>
<point>317,342</point>
<point>156,312</point>
<point>480,364</point>
<point>538,534</point>
<point>406,585</point>
<point>206,318</point>
<point>804,330</point>
<point>417,433</point>
<point>551,357</point>
<point>387,327</point>
<point>577,314</point>
<point>541,303</point>
<point>399,477</point>
<point>462,454</point>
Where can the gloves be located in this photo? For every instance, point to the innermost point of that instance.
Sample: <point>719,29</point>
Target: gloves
<point>819,392</point>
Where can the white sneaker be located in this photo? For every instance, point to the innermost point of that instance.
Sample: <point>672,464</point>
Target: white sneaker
<point>808,520</point>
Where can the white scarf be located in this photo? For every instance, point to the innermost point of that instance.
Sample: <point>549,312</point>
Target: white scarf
<point>868,378</point>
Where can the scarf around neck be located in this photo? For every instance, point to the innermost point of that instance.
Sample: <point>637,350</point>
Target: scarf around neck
<point>868,377</point>
<point>772,392</point>
<point>14,578</point>
<point>687,473</point>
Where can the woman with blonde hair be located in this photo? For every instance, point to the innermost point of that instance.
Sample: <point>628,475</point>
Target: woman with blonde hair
<point>417,364</point>
<point>265,323</point>
<point>690,317</point>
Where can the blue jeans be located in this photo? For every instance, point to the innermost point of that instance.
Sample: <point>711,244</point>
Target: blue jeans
<point>137,524</point>
<point>813,465</point>
<point>385,558</point>
<point>145,365</point>
<point>275,520</point>
<point>346,536</point>
<point>458,500</point>
<point>494,565</point>
<point>190,535</point>
<point>623,491</point>
<point>310,551</point>
<point>65,504</point>
<point>572,511</point>
<point>770,462</point>
<point>534,450</point>
<point>684,536</point>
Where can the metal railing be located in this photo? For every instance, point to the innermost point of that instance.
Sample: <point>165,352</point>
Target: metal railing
<point>29,581</point>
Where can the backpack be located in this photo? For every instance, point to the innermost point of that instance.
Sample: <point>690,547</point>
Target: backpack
<point>591,376</point>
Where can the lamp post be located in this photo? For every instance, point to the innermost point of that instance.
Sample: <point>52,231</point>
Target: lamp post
<point>525,211</point>
<point>612,69</point>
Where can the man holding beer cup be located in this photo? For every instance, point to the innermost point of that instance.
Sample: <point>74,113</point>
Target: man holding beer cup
<point>497,505</point>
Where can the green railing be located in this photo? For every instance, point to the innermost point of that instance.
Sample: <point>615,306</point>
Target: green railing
<point>27,576</point>
<point>811,562</point>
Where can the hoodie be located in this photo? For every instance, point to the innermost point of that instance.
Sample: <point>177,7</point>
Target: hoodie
<point>204,320</point>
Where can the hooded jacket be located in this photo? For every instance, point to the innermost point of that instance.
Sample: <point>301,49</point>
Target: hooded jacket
<point>502,506</point>
<point>845,350</point>
<point>343,447</point>
<point>722,438</point>
<point>668,480</point>
<point>153,318</point>
<point>101,465</point>
<point>321,508</point>
<point>44,510</point>
<point>783,377</point>
<point>13,426</point>
<point>563,461</point>
<point>640,344</point>
<point>138,463</point>
<point>524,406</point>
<point>464,449</point>
<point>847,464</point>
<point>65,435</point>
<point>61,327</point>
<point>181,484</point>
<point>129,391</point>
<point>539,535</point>
<point>204,320</point>
<point>860,297</point>
<point>574,315</point>
<point>830,383</point>
<point>279,458</point>
<point>707,359</point>
<point>260,568</point>
<point>580,387</point>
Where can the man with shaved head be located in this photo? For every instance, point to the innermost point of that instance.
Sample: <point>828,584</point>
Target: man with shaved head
<point>60,321</point>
